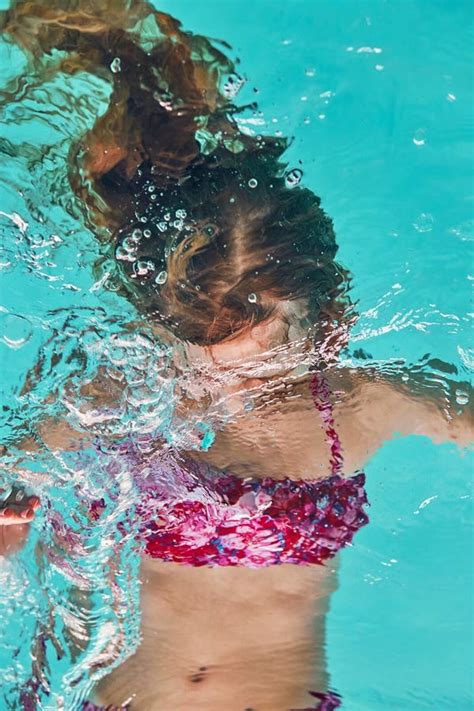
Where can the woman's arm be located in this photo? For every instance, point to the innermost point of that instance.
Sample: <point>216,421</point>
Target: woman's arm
<point>424,410</point>
<point>50,433</point>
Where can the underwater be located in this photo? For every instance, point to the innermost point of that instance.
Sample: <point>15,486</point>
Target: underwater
<point>236,354</point>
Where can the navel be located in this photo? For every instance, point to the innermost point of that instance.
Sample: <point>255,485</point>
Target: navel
<point>199,676</point>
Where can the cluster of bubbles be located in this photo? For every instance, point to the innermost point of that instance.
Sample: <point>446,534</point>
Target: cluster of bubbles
<point>127,250</point>
<point>134,245</point>
<point>112,381</point>
<point>232,86</point>
<point>137,243</point>
<point>115,383</point>
<point>137,372</point>
<point>88,503</point>
<point>76,546</point>
<point>464,231</point>
<point>293,178</point>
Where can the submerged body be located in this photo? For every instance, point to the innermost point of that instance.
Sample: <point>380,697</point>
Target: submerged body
<point>241,638</point>
<point>246,634</point>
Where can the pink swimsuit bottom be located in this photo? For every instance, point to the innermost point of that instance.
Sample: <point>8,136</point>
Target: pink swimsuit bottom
<point>326,702</point>
<point>256,522</point>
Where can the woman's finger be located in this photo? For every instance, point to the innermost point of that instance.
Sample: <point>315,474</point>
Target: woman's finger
<point>10,518</point>
<point>27,514</point>
<point>12,515</point>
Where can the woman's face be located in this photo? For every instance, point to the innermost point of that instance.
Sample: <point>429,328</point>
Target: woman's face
<point>270,349</point>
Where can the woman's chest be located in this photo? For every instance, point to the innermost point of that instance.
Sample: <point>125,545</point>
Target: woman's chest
<point>295,444</point>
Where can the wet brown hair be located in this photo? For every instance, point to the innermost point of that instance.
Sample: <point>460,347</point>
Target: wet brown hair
<point>229,244</point>
<point>207,228</point>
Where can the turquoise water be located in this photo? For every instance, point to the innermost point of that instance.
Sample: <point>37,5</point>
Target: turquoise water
<point>379,98</point>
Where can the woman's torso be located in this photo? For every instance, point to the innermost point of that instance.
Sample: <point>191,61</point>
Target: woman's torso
<point>245,628</point>
<point>227,638</point>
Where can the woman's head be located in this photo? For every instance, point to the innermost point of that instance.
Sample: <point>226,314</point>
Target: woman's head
<point>228,248</point>
<point>210,236</point>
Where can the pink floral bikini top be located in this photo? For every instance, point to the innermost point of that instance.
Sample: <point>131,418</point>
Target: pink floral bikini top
<point>255,522</point>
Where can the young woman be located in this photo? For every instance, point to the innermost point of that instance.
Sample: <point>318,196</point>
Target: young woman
<point>232,261</point>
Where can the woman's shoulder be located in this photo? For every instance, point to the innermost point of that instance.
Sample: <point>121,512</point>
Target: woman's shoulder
<point>402,403</point>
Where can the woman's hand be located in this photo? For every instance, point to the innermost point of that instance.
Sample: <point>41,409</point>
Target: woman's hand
<point>16,512</point>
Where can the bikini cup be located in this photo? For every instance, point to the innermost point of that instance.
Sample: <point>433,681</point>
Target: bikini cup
<point>228,521</point>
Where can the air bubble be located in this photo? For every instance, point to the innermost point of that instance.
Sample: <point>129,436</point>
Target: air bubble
<point>161,277</point>
<point>462,397</point>
<point>162,226</point>
<point>130,244</point>
<point>16,330</point>
<point>233,145</point>
<point>144,267</point>
<point>123,254</point>
<point>116,65</point>
<point>424,222</point>
<point>310,72</point>
<point>465,231</point>
<point>136,235</point>
<point>210,230</point>
<point>253,298</point>
<point>420,137</point>
<point>293,178</point>
<point>252,183</point>
<point>181,214</point>
<point>147,234</point>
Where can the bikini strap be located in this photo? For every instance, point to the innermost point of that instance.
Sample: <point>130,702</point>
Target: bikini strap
<point>322,401</point>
